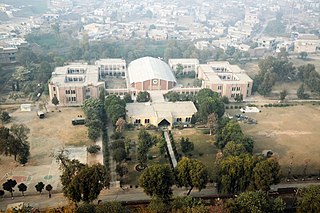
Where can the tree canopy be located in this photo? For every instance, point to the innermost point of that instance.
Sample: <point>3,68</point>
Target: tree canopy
<point>191,173</point>
<point>309,199</point>
<point>157,180</point>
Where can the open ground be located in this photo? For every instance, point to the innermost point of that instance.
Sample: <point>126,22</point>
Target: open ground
<point>46,136</point>
<point>292,133</point>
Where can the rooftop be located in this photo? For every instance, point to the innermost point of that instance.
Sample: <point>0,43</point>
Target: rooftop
<point>147,68</point>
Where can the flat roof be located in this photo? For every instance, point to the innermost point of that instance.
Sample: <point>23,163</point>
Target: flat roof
<point>183,61</point>
<point>110,61</point>
<point>90,75</point>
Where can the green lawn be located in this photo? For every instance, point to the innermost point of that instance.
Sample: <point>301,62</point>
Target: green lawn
<point>204,148</point>
<point>132,178</point>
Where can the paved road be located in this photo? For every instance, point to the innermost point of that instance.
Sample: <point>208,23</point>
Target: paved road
<point>43,201</point>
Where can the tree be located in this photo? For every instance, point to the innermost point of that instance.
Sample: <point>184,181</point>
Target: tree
<point>39,187</point>
<point>309,199</point>
<point>127,98</point>
<point>121,170</point>
<point>143,96</point>
<point>121,123</point>
<point>266,173</point>
<point>158,205</point>
<point>172,96</point>
<point>55,101</point>
<point>239,98</point>
<point>1,193</point>
<point>300,92</point>
<point>212,122</point>
<point>234,174</point>
<point>283,94</point>
<point>9,185</point>
<point>189,204</point>
<point>49,188</point>
<point>225,99</point>
<point>157,180</point>
<point>233,149</point>
<point>4,117</point>
<point>119,155</point>
<point>86,182</point>
<point>22,188</point>
<point>191,173</point>
<point>20,133</point>
<point>186,145</point>
<point>208,102</point>
<point>255,201</point>
<point>111,207</point>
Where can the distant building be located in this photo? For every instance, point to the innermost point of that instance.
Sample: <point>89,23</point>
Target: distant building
<point>309,46</point>
<point>74,83</point>
<point>160,114</point>
<point>8,54</point>
<point>225,79</point>
<point>188,64</point>
<point>149,73</point>
<point>111,67</point>
<point>267,42</point>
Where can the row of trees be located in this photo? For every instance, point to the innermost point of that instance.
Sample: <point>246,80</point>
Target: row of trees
<point>14,141</point>
<point>10,184</point>
<point>238,169</point>
<point>274,70</point>
<point>115,108</point>
<point>157,180</point>
<point>93,110</point>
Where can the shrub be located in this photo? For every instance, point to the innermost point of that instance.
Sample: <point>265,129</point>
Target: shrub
<point>93,149</point>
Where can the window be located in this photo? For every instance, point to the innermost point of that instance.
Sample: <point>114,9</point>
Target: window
<point>219,87</point>
<point>146,121</point>
<point>188,119</point>
<point>238,88</point>
<point>137,121</point>
<point>179,119</point>
<point>54,89</point>
<point>67,91</point>
<point>73,92</point>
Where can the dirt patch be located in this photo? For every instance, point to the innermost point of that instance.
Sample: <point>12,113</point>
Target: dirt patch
<point>291,132</point>
<point>46,136</point>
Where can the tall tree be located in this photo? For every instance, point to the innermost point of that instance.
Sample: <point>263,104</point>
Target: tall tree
<point>49,188</point>
<point>22,188</point>
<point>143,96</point>
<point>121,123</point>
<point>9,185</point>
<point>255,201</point>
<point>87,184</point>
<point>39,187</point>
<point>309,199</point>
<point>283,94</point>
<point>157,180</point>
<point>186,145</point>
<point>212,122</point>
<point>191,173</point>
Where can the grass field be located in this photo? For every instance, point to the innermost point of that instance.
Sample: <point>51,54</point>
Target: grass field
<point>292,133</point>
<point>204,149</point>
<point>133,176</point>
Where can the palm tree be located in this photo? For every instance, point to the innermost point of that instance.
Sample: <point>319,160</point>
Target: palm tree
<point>49,188</point>
<point>22,188</point>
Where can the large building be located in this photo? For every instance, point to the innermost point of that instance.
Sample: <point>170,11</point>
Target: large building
<point>111,67</point>
<point>188,64</point>
<point>149,73</point>
<point>160,113</point>
<point>225,79</point>
<point>74,83</point>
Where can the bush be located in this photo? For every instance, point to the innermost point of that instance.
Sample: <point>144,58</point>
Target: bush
<point>236,107</point>
<point>227,107</point>
<point>225,99</point>
<point>93,149</point>
<point>231,107</point>
<point>205,131</point>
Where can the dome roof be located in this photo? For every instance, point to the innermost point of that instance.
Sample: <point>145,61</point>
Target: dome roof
<point>148,68</point>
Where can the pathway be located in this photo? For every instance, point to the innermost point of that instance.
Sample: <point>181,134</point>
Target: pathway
<point>171,153</point>
<point>112,163</point>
